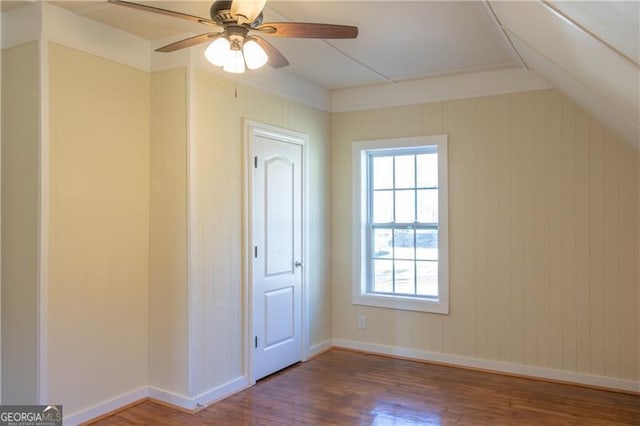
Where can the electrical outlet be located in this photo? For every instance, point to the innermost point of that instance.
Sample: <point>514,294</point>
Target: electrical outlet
<point>362,322</point>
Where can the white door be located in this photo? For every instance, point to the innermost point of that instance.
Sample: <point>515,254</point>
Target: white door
<point>277,257</point>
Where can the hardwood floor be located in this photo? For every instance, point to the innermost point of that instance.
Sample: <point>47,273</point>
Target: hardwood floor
<point>348,388</point>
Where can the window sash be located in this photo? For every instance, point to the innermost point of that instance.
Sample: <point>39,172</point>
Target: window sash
<point>372,225</point>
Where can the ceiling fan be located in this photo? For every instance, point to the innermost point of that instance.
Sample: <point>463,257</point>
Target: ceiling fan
<point>236,42</point>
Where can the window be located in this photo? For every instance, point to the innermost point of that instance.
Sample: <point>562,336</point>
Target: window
<point>400,241</point>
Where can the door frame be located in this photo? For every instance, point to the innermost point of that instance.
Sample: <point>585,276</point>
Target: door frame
<point>253,128</point>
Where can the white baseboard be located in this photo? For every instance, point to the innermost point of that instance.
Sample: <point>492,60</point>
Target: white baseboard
<point>216,394</point>
<point>191,404</point>
<point>497,366</point>
<point>200,401</point>
<point>170,398</point>
<point>105,407</point>
<point>316,350</point>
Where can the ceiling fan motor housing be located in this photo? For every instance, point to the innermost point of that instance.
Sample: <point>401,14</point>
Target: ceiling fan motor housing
<point>221,13</point>
<point>236,35</point>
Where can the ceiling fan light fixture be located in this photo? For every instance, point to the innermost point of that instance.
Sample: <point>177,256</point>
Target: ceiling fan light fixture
<point>233,47</point>
<point>235,62</point>
<point>254,54</point>
<point>218,52</point>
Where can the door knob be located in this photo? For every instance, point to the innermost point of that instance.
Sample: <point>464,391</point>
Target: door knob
<point>299,264</point>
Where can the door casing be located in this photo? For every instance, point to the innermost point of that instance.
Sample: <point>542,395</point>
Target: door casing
<point>252,128</point>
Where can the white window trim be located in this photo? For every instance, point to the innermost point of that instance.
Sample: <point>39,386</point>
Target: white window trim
<point>360,295</point>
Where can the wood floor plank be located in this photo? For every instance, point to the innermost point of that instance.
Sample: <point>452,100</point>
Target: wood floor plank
<point>349,388</point>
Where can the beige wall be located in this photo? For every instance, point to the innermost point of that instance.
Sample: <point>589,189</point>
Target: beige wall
<point>168,232</point>
<point>544,207</point>
<point>20,218</point>
<point>218,339</point>
<point>544,239</point>
<point>98,229</point>
<point>1,127</point>
<point>118,301</point>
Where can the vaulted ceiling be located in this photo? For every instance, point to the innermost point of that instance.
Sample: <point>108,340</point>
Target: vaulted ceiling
<point>588,50</point>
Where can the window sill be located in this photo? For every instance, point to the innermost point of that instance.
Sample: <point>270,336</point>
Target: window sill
<point>405,303</point>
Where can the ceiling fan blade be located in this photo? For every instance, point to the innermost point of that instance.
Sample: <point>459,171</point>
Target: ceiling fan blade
<point>163,12</point>
<point>307,30</point>
<point>248,10</point>
<point>188,42</point>
<point>276,59</point>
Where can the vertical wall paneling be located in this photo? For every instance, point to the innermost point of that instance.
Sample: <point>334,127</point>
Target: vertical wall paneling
<point>544,237</point>
<point>583,242</point>
<point>628,255</point>
<point>168,344</point>
<point>194,246</point>
<point>611,254</point>
<point>98,229</point>
<point>216,296</point>
<point>505,272</point>
<point>484,196</point>
<point>541,225</point>
<point>1,138</point>
<point>556,294</point>
<point>528,275</point>
<point>596,248</point>
<point>568,280</point>
<point>43,225</point>
<point>20,222</point>
<point>463,198</point>
<point>516,229</point>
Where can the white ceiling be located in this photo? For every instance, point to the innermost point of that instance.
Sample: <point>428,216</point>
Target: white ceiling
<point>397,41</point>
<point>588,50</point>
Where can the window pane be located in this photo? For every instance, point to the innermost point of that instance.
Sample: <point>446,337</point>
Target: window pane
<point>405,168</point>
<point>405,206</point>
<point>382,276</point>
<point>382,172</point>
<point>427,244</point>
<point>405,277</point>
<point>428,205</point>
<point>382,240</point>
<point>403,244</point>
<point>427,282</point>
<point>427,172</point>
<point>382,206</point>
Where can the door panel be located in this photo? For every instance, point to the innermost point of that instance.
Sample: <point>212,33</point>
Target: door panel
<point>279,313</point>
<point>279,215</point>
<point>277,239</point>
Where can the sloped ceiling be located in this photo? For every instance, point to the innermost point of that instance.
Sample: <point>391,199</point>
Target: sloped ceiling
<point>588,50</point>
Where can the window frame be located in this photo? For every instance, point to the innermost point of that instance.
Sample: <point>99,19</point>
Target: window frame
<point>360,240</point>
